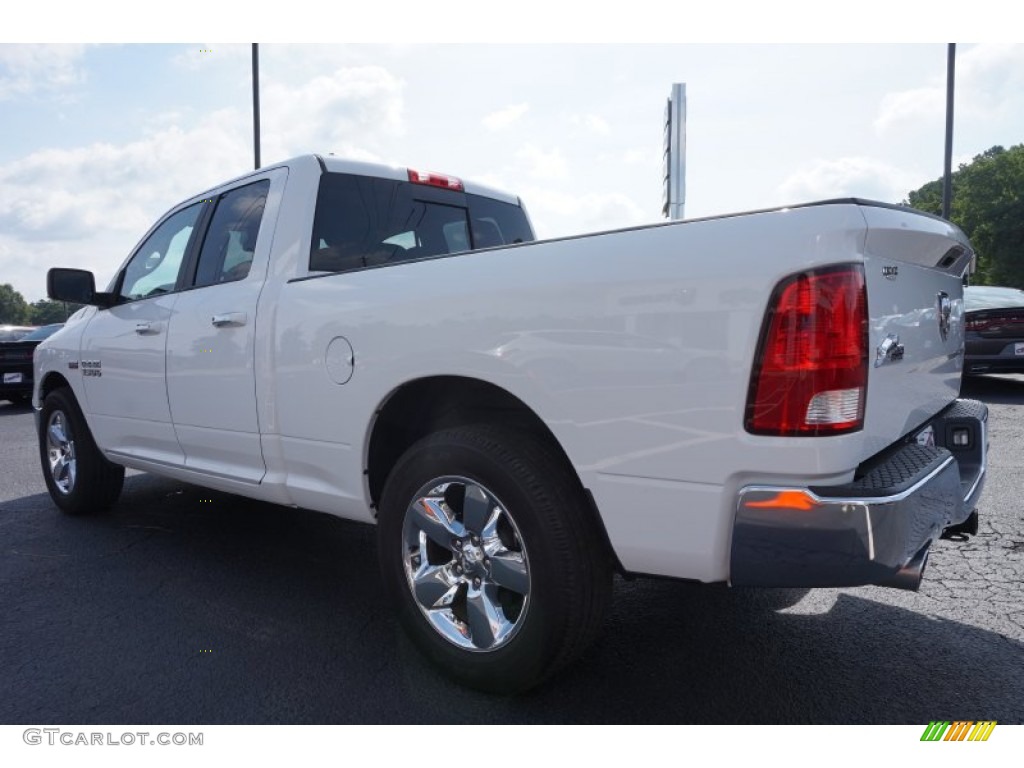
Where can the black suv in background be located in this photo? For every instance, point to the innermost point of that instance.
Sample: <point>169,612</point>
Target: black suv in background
<point>16,363</point>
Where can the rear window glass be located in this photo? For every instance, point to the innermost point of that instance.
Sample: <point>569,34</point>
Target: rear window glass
<point>361,221</point>
<point>978,297</point>
<point>497,223</point>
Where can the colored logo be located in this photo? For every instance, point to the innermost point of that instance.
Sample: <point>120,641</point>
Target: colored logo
<point>961,730</point>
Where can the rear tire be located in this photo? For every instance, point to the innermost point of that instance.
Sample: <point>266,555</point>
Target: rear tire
<point>490,553</point>
<point>79,478</point>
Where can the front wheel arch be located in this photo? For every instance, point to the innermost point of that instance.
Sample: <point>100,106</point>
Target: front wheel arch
<point>79,478</point>
<point>52,381</point>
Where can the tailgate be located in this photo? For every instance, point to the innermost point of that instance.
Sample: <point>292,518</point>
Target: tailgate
<point>914,266</point>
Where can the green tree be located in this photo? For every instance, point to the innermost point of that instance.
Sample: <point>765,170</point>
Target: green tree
<point>44,311</point>
<point>13,309</point>
<point>988,205</point>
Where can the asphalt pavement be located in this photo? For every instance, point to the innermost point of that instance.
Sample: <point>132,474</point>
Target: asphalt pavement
<point>187,606</point>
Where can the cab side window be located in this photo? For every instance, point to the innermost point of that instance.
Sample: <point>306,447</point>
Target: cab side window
<point>230,241</point>
<point>156,265</point>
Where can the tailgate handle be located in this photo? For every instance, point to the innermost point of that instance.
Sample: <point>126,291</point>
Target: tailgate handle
<point>228,318</point>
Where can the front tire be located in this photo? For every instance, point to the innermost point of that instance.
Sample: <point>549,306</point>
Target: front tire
<point>79,478</point>
<point>491,555</point>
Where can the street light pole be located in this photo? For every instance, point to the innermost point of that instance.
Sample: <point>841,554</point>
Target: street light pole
<point>947,181</point>
<point>256,102</point>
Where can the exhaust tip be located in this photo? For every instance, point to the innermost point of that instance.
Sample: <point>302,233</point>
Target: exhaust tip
<point>909,576</point>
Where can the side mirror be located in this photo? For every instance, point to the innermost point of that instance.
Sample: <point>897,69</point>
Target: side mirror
<point>76,286</point>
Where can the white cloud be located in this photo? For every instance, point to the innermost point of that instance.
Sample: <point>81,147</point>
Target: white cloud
<point>87,206</point>
<point>907,107</point>
<point>201,54</point>
<point>543,164</point>
<point>57,194</point>
<point>593,123</point>
<point>349,113</point>
<point>555,213</point>
<point>990,81</point>
<point>31,69</point>
<point>492,180</point>
<point>989,84</point>
<point>848,177</point>
<point>636,156</point>
<point>503,118</point>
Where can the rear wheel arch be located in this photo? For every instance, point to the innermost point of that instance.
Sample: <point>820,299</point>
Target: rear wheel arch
<point>424,406</point>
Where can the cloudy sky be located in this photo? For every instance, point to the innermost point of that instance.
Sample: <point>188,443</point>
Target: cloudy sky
<point>100,139</point>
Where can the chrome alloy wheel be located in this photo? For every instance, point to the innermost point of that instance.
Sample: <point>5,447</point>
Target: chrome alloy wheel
<point>465,563</point>
<point>60,448</point>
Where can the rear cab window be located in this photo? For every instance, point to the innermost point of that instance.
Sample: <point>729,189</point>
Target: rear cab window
<point>365,221</point>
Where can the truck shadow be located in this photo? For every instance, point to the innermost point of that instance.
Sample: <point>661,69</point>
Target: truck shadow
<point>1003,389</point>
<point>184,605</point>
<point>8,408</point>
<point>717,657</point>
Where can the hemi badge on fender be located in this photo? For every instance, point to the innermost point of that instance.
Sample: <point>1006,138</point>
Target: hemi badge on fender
<point>73,365</point>
<point>890,272</point>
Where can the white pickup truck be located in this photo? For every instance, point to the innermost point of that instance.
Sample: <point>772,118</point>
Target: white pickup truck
<point>765,399</point>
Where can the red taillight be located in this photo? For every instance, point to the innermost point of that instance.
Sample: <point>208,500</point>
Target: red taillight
<point>976,324</point>
<point>435,180</point>
<point>810,374</point>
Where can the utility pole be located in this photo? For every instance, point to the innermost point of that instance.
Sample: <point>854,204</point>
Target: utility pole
<point>256,102</point>
<point>947,181</point>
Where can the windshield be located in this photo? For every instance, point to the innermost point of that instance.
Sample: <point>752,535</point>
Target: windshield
<point>978,297</point>
<point>42,333</point>
<point>13,333</point>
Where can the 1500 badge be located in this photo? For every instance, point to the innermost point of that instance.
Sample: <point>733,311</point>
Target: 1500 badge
<point>92,368</point>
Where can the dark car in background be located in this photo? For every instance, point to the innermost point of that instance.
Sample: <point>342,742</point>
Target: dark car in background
<point>994,325</point>
<point>14,332</point>
<point>16,362</point>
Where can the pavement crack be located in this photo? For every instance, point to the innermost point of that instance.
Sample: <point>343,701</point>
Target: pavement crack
<point>35,554</point>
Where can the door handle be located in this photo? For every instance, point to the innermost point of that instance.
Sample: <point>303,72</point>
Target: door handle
<point>228,318</point>
<point>145,329</point>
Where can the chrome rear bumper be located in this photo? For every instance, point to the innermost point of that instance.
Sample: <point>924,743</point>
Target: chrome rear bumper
<point>875,530</point>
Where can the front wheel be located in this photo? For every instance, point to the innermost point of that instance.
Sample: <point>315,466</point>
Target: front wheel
<point>488,550</point>
<point>79,478</point>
